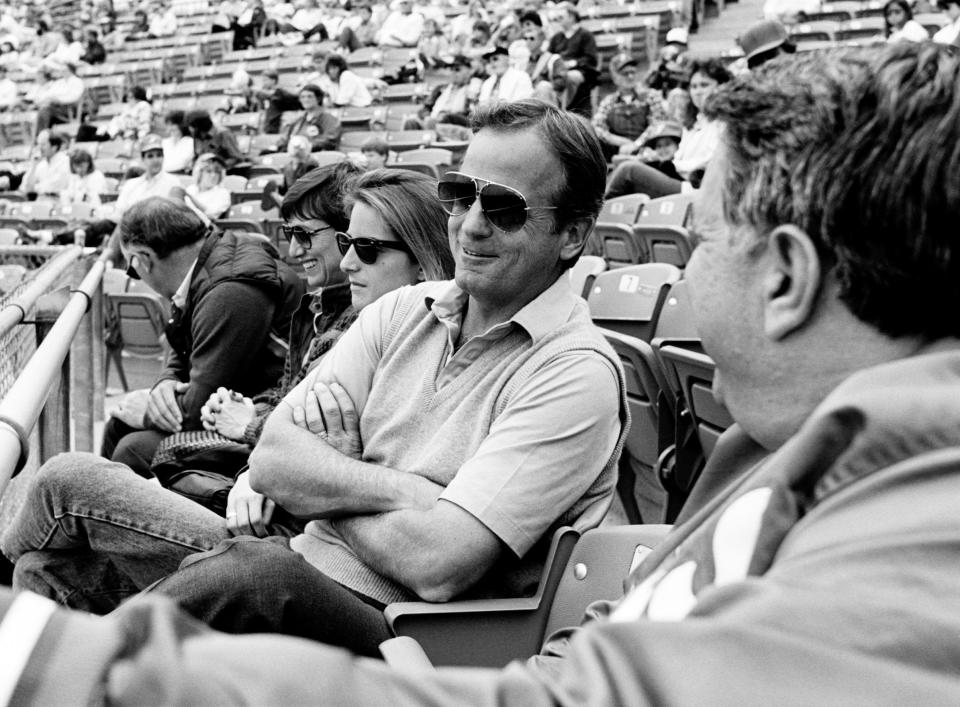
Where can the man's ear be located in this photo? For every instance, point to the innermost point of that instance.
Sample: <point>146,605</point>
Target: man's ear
<point>575,236</point>
<point>792,281</point>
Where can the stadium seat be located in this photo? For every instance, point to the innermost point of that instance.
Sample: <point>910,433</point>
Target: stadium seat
<point>617,244</point>
<point>327,157</point>
<point>493,632</point>
<point>9,236</point>
<point>638,485</point>
<point>694,370</point>
<point>629,300</point>
<point>139,318</point>
<point>432,155</point>
<point>74,212</point>
<point>11,275</point>
<point>622,209</point>
<point>584,272</point>
<point>277,160</point>
<point>234,182</point>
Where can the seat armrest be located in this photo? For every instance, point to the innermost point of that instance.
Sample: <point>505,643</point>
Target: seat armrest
<point>405,654</point>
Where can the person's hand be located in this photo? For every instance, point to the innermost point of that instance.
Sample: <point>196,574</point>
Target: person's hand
<point>248,512</point>
<point>163,410</point>
<point>329,413</point>
<point>132,408</point>
<point>626,149</point>
<point>228,413</point>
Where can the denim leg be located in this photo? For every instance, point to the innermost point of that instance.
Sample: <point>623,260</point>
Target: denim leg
<point>249,585</point>
<point>81,505</point>
<point>635,177</point>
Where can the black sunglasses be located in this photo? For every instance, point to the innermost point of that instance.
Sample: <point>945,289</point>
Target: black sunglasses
<point>302,236</point>
<point>367,249</point>
<point>503,206</point>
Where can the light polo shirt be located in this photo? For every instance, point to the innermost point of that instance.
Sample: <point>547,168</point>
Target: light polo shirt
<point>518,448</point>
<point>143,187</point>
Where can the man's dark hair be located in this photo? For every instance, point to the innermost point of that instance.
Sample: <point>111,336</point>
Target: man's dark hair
<point>532,17</point>
<point>199,120</point>
<point>161,224</point>
<point>57,140</point>
<point>178,118</point>
<point>859,148</point>
<point>711,68</point>
<point>319,194</point>
<point>315,90</point>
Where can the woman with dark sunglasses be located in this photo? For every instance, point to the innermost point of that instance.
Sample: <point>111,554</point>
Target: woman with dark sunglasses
<point>397,235</point>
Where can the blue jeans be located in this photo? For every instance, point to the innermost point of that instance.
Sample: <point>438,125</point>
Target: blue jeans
<point>92,533</point>
<point>252,585</point>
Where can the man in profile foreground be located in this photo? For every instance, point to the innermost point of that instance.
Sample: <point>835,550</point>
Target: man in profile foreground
<point>826,574</point>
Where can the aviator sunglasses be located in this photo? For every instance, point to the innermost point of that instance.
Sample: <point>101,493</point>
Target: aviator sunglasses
<point>504,207</point>
<point>367,249</point>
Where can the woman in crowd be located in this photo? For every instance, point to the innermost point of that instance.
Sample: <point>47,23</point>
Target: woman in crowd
<point>177,145</point>
<point>344,87</point>
<point>397,236</point>
<point>135,119</point>
<point>317,125</point>
<point>433,45</point>
<point>86,184</point>
<point>899,23</point>
<point>696,146</point>
<point>206,192</point>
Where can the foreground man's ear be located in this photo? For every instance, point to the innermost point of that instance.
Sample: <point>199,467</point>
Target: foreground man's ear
<point>792,281</point>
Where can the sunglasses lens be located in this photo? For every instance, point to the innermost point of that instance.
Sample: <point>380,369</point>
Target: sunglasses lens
<point>132,272</point>
<point>456,195</point>
<point>343,243</point>
<point>504,208</point>
<point>365,248</point>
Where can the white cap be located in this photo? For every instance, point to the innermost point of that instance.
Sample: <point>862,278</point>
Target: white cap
<point>678,35</point>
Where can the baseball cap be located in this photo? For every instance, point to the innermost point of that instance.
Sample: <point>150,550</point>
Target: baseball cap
<point>678,35</point>
<point>667,128</point>
<point>151,142</point>
<point>496,51</point>
<point>621,61</point>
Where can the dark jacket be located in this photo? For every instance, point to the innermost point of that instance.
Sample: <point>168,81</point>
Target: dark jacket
<point>221,143</point>
<point>233,330</point>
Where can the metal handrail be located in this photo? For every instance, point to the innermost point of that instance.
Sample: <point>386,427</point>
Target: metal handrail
<point>15,311</point>
<point>20,409</point>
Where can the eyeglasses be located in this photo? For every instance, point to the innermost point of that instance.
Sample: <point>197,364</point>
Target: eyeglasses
<point>503,206</point>
<point>302,236</point>
<point>132,270</point>
<point>367,249</point>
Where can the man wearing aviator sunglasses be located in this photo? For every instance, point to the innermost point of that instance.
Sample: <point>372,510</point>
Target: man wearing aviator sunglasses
<point>493,411</point>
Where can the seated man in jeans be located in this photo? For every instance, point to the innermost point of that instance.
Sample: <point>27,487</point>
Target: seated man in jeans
<point>462,422</point>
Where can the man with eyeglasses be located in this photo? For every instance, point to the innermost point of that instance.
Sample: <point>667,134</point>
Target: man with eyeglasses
<point>454,427</point>
<point>625,114</point>
<point>232,300</point>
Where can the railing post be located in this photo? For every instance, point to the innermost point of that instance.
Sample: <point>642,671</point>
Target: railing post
<point>55,418</point>
<point>86,374</point>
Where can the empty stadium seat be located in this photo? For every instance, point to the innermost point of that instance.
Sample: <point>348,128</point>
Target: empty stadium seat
<point>584,272</point>
<point>622,209</point>
<point>629,299</point>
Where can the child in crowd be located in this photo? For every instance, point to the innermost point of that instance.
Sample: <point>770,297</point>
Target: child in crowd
<point>660,142</point>
<point>375,152</point>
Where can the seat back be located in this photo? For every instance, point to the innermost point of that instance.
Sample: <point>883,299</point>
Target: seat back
<point>584,272</point>
<point>665,244</point>
<point>489,632</point>
<point>617,244</point>
<point>639,490</point>
<point>599,565</point>
<point>672,210</point>
<point>622,209</point>
<point>140,317</point>
<point>694,370</point>
<point>10,276</point>
<point>629,300</point>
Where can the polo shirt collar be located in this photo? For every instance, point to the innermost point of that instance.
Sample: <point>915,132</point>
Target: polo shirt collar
<point>546,313</point>
<point>180,296</point>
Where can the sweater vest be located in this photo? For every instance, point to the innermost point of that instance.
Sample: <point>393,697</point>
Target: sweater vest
<point>408,424</point>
